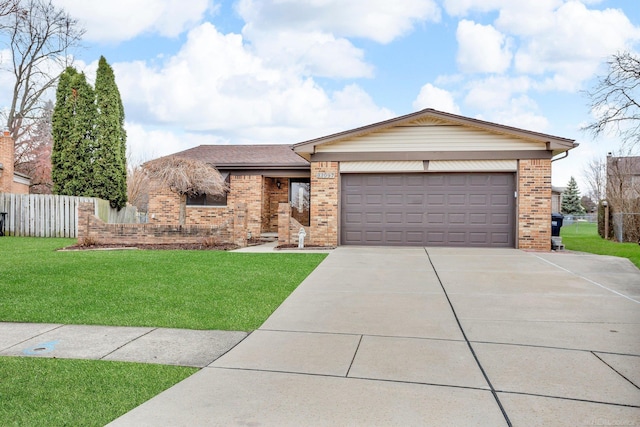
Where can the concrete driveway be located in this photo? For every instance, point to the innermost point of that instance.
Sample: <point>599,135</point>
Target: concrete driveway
<point>436,336</point>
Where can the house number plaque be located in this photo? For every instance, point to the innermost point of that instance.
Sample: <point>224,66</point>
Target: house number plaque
<point>325,175</point>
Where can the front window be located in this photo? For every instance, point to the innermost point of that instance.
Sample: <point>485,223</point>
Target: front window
<point>208,199</point>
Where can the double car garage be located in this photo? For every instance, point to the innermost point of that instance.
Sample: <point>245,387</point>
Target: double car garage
<point>432,178</point>
<point>428,209</point>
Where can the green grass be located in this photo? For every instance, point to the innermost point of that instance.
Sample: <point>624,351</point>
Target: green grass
<point>178,289</point>
<point>174,289</point>
<point>584,237</point>
<point>57,392</point>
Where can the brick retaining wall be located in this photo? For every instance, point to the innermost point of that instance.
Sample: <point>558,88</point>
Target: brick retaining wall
<point>90,227</point>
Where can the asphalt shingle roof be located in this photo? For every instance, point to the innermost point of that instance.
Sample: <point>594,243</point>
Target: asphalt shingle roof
<point>258,156</point>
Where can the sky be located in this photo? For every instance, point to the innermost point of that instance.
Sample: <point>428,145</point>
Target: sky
<point>194,72</point>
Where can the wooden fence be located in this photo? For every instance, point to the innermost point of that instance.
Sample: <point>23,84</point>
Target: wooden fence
<point>43,215</point>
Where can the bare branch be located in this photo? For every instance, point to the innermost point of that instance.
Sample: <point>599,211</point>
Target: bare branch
<point>186,176</point>
<point>39,37</point>
<point>614,100</point>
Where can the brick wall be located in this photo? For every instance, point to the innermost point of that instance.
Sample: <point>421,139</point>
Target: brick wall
<point>6,158</point>
<point>324,203</point>
<point>91,227</point>
<point>288,227</point>
<point>273,196</point>
<point>248,189</point>
<point>164,205</point>
<point>534,204</point>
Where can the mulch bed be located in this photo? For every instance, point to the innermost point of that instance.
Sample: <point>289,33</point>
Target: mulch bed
<point>170,246</point>
<point>295,246</point>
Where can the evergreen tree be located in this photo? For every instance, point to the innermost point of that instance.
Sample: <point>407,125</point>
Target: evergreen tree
<point>571,199</point>
<point>89,140</point>
<point>110,166</point>
<point>73,135</point>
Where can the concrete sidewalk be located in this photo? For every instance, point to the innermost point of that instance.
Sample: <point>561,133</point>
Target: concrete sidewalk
<point>145,345</point>
<point>408,336</point>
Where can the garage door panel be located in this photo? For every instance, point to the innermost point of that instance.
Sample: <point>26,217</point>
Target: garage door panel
<point>478,219</point>
<point>435,199</point>
<point>457,218</point>
<point>394,199</point>
<point>447,209</point>
<point>500,238</point>
<point>500,200</point>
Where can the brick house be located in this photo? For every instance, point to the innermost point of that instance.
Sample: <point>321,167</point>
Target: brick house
<point>424,179</point>
<point>11,181</point>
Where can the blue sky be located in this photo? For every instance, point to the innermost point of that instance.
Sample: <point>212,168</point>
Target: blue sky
<point>282,71</point>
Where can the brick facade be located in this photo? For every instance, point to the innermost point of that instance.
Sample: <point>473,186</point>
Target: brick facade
<point>268,209</point>
<point>90,227</point>
<point>534,204</point>
<point>325,181</point>
<point>289,227</point>
<point>261,196</point>
<point>273,196</point>
<point>6,159</point>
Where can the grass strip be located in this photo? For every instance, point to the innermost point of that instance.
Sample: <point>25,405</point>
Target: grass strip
<point>583,237</point>
<point>62,392</point>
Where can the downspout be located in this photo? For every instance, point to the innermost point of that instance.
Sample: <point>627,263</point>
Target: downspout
<point>566,154</point>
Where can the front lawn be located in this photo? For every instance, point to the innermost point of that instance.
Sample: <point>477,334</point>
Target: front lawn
<point>58,392</point>
<point>172,288</point>
<point>583,237</point>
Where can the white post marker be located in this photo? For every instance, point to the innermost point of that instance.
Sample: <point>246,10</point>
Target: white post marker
<point>301,235</point>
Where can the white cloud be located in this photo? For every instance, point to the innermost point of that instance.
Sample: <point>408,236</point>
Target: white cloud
<point>313,53</point>
<point>371,19</point>
<point>564,42</point>
<point>482,48</point>
<point>120,20</point>
<point>216,85</point>
<point>495,92</point>
<point>436,98</point>
<point>312,35</point>
<point>144,144</point>
<point>521,112</point>
<point>573,43</point>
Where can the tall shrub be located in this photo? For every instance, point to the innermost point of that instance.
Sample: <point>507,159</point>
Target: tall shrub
<point>110,166</point>
<point>89,140</point>
<point>73,135</point>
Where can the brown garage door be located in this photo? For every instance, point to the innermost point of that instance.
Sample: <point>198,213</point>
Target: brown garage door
<point>443,209</point>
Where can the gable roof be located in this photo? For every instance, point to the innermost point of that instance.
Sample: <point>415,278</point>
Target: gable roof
<point>554,143</point>
<point>265,156</point>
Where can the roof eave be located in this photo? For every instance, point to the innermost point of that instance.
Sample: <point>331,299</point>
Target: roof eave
<point>554,142</point>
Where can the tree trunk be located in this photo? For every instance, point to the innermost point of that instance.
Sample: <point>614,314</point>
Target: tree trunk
<point>182,218</point>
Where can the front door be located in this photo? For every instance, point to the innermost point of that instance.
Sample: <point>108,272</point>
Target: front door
<point>299,198</point>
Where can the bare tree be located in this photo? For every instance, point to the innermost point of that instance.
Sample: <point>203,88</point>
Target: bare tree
<point>623,194</point>
<point>137,187</point>
<point>595,176</point>
<point>35,157</point>
<point>38,36</point>
<point>186,177</point>
<point>615,100</point>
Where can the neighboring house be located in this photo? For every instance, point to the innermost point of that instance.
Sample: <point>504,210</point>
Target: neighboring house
<point>10,180</point>
<point>556,199</point>
<point>424,179</point>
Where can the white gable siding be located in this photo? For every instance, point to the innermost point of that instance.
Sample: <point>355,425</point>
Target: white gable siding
<point>383,166</point>
<point>473,165</point>
<point>430,137</point>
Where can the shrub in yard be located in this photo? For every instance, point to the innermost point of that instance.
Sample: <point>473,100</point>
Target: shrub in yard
<point>87,241</point>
